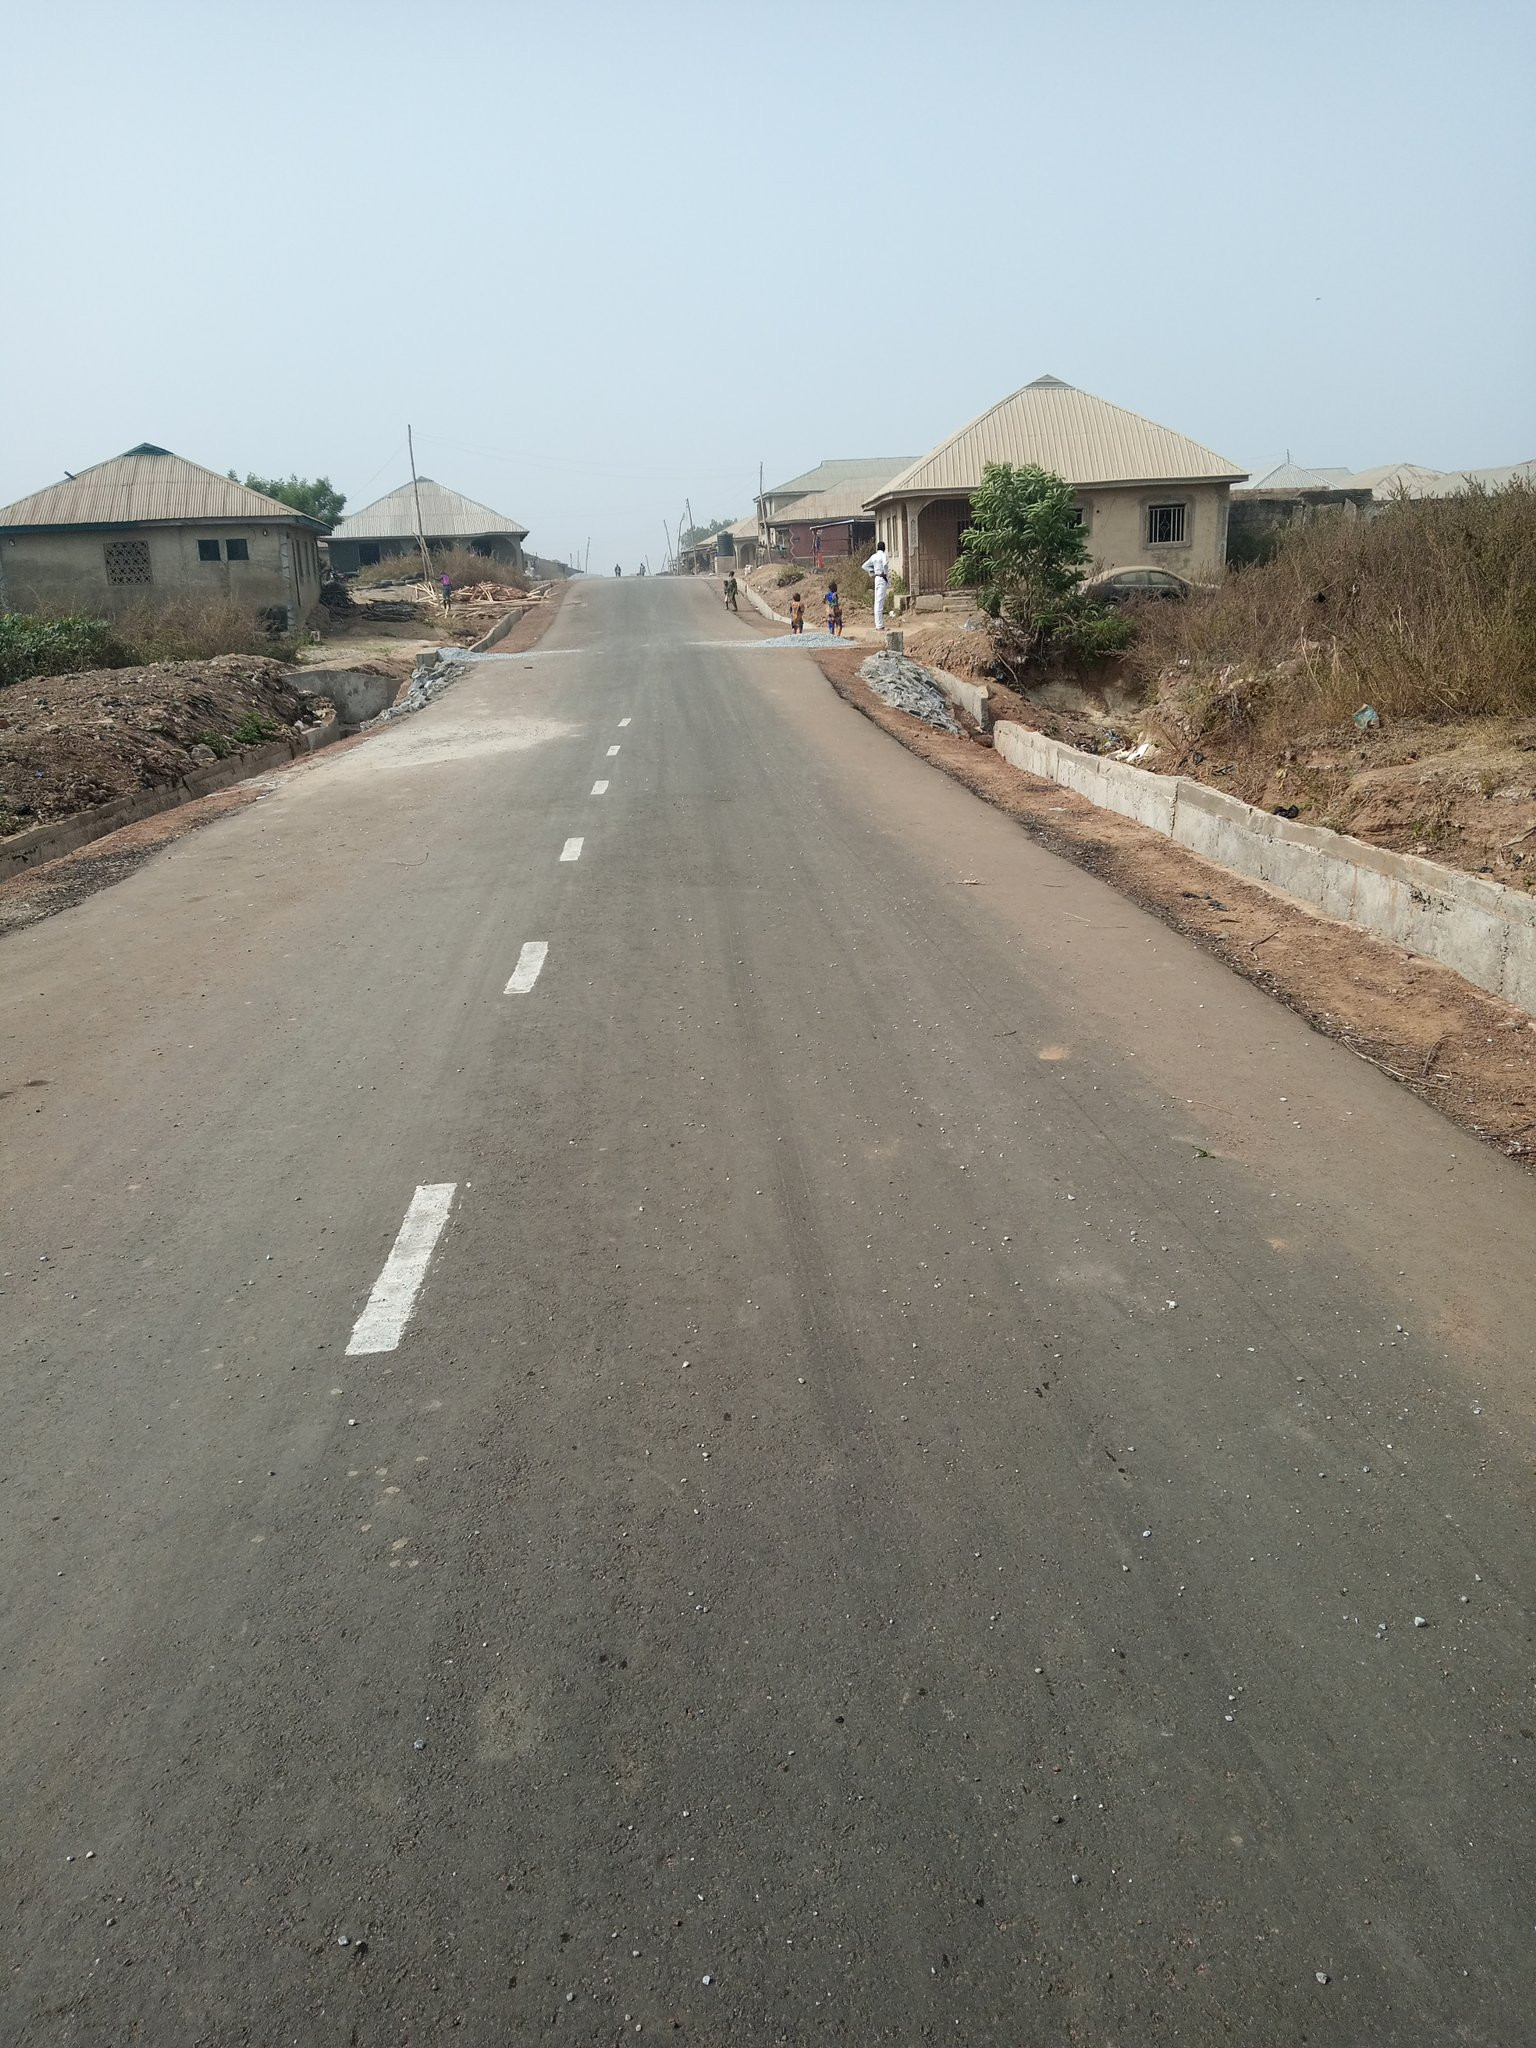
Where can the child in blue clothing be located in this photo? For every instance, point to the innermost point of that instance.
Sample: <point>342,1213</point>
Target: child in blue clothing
<point>834,611</point>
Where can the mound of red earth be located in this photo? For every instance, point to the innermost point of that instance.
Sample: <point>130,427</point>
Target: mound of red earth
<point>69,743</point>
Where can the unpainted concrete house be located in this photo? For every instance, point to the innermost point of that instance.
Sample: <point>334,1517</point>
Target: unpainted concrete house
<point>448,519</point>
<point>150,524</point>
<point>1147,496</point>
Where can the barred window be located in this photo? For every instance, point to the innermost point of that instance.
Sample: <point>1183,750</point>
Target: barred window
<point>128,561</point>
<point>1165,523</point>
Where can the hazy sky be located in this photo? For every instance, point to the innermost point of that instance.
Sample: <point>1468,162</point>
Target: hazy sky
<point>606,257</point>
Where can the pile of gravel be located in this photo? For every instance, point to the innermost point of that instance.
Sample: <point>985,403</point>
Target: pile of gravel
<point>908,687</point>
<point>432,675</point>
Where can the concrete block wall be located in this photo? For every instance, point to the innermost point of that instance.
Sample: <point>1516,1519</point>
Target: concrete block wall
<point>1478,928</point>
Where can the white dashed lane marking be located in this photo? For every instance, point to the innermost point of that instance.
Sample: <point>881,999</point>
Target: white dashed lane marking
<point>530,964</point>
<point>623,721</point>
<point>571,850</point>
<point>611,752</point>
<point>382,1322</point>
<point>599,789</point>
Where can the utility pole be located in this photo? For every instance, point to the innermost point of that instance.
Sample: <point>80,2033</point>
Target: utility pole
<point>671,551</point>
<point>586,565</point>
<point>421,538</point>
<point>688,503</point>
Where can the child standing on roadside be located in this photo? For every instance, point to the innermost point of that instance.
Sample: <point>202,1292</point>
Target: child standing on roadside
<point>797,613</point>
<point>834,611</point>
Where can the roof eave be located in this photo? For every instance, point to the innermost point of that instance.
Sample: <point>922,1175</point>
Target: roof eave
<point>1102,483</point>
<point>285,516</point>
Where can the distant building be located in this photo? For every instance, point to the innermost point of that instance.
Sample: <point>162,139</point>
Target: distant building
<point>1147,497</point>
<point>150,524</point>
<point>387,527</point>
<point>1290,494</point>
<point>829,500</point>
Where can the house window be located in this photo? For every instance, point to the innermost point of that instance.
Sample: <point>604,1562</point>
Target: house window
<point>128,561</point>
<point>368,553</point>
<point>1165,525</point>
<point>237,551</point>
<point>207,551</point>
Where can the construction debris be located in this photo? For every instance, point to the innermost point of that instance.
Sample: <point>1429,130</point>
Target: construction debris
<point>907,687</point>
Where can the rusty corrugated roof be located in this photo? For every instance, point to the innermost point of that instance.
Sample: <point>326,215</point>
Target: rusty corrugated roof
<point>147,486</point>
<point>1079,437</point>
<point>445,515</point>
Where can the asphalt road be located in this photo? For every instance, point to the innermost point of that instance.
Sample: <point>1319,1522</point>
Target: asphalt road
<point>903,1504</point>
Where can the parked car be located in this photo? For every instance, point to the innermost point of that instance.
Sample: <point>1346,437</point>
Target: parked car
<point>1120,586</point>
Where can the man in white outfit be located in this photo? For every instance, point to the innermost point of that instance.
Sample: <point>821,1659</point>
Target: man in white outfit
<point>879,567</point>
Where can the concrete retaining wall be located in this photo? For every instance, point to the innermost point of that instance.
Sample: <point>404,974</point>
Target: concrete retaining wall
<point>501,629</point>
<point>974,698</point>
<point>767,610</point>
<point>357,693</point>
<point>1478,928</point>
<point>47,842</point>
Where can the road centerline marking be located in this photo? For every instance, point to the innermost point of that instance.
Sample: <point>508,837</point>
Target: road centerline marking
<point>623,721</point>
<point>611,752</point>
<point>571,849</point>
<point>388,1309</point>
<point>530,964</point>
<point>599,789</point>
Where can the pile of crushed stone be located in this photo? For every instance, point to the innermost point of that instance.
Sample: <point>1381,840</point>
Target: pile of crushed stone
<point>70,743</point>
<point>907,687</point>
<point>433,673</point>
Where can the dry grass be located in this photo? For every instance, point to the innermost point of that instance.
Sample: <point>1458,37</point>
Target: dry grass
<point>459,563</point>
<point>197,628</point>
<point>1427,611</point>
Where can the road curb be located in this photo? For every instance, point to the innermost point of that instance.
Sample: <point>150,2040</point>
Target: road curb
<point>1482,930</point>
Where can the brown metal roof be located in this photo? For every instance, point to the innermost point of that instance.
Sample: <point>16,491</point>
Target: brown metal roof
<point>147,486</point>
<point>1079,437</point>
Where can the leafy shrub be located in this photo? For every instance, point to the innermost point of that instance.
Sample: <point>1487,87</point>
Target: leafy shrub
<point>34,645</point>
<point>1024,554</point>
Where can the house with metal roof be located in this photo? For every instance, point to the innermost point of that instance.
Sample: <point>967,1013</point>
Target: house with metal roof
<point>1148,497</point>
<point>447,519</point>
<point>151,525</point>
<point>851,478</point>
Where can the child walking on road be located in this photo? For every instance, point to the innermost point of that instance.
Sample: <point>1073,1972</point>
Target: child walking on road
<point>797,613</point>
<point>834,612</point>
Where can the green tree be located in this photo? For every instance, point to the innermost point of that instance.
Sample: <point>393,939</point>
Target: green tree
<point>317,497</point>
<point>1024,554</point>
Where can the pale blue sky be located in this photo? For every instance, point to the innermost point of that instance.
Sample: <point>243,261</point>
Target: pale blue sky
<point>605,256</point>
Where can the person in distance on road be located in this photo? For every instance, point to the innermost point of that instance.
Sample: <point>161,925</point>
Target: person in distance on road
<point>730,592</point>
<point>834,610</point>
<point>797,613</point>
